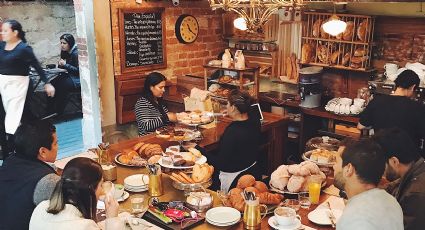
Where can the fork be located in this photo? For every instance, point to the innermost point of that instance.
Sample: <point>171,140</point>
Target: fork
<point>331,216</point>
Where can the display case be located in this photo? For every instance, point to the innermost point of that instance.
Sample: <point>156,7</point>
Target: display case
<point>220,81</point>
<point>350,50</point>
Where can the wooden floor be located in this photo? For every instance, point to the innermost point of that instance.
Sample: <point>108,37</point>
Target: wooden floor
<point>70,137</point>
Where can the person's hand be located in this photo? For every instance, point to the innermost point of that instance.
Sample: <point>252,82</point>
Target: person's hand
<point>111,207</point>
<point>188,145</point>
<point>61,62</point>
<point>172,117</point>
<point>50,90</point>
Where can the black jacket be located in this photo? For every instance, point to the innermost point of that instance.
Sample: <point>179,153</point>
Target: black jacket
<point>18,178</point>
<point>71,66</point>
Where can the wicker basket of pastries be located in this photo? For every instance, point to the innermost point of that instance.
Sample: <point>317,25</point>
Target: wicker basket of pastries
<point>200,178</point>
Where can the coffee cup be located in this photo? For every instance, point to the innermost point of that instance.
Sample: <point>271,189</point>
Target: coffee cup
<point>390,69</point>
<point>119,191</point>
<point>285,216</point>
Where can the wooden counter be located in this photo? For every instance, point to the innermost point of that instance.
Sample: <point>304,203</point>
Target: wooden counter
<point>274,135</point>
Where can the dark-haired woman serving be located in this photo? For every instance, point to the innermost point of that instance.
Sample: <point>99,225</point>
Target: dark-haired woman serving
<point>151,113</point>
<point>16,57</point>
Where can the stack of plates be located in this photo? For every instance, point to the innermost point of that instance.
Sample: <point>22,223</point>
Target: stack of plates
<point>136,183</point>
<point>223,216</point>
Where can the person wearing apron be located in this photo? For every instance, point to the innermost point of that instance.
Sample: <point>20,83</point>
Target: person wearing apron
<point>16,57</point>
<point>238,146</point>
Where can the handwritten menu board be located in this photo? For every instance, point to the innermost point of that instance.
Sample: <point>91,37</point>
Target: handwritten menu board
<point>142,39</point>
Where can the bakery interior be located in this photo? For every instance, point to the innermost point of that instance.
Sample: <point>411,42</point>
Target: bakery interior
<point>305,80</point>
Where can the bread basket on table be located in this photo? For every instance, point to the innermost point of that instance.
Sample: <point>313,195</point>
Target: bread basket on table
<point>200,179</point>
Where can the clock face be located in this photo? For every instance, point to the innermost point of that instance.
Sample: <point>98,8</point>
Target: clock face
<point>187,28</point>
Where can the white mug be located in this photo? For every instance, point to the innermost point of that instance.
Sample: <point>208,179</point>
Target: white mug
<point>285,216</point>
<point>390,69</point>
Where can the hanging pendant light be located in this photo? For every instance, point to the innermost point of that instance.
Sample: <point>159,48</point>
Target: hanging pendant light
<point>334,25</point>
<point>240,24</point>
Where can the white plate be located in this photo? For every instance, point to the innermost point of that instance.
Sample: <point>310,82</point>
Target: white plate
<point>129,165</point>
<point>137,180</point>
<point>273,224</point>
<point>320,216</point>
<point>137,190</point>
<point>201,160</point>
<point>222,224</point>
<point>223,215</point>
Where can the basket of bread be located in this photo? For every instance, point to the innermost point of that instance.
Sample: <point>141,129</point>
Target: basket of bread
<point>199,179</point>
<point>294,178</point>
<point>139,154</point>
<point>248,183</point>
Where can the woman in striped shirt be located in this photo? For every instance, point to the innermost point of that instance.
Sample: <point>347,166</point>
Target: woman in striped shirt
<point>151,112</point>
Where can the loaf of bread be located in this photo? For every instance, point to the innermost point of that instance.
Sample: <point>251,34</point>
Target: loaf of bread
<point>316,28</point>
<point>288,67</point>
<point>347,35</point>
<point>360,52</point>
<point>246,181</point>
<point>323,54</point>
<point>335,57</point>
<point>358,60</point>
<point>346,59</point>
<point>307,53</point>
<point>362,30</point>
<point>270,198</point>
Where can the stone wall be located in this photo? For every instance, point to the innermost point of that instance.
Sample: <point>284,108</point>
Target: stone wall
<point>182,59</point>
<point>44,22</point>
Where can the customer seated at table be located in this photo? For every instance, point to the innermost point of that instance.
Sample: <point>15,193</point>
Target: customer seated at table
<point>238,146</point>
<point>65,82</point>
<point>151,112</point>
<point>25,177</point>
<point>397,109</point>
<point>73,202</point>
<point>406,169</point>
<point>358,171</point>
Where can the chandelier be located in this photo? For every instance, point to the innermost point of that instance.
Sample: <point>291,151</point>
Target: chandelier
<point>256,13</point>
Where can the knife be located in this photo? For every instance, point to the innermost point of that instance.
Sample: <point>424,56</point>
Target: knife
<point>331,216</point>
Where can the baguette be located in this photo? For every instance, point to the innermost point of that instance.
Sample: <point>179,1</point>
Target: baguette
<point>174,179</point>
<point>270,198</point>
<point>186,177</point>
<point>335,56</point>
<point>180,178</point>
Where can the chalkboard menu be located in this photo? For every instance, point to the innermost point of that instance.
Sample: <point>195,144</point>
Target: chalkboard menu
<point>142,39</point>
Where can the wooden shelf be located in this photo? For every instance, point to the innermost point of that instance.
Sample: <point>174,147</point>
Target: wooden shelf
<point>248,69</point>
<point>339,67</point>
<point>241,39</point>
<point>340,41</point>
<point>232,84</point>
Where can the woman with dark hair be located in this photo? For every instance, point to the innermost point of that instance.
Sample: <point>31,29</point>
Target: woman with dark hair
<point>397,109</point>
<point>239,144</point>
<point>151,112</point>
<point>65,82</point>
<point>74,200</point>
<point>16,57</point>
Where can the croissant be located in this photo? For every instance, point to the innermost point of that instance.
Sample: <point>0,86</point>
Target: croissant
<point>236,199</point>
<point>270,198</point>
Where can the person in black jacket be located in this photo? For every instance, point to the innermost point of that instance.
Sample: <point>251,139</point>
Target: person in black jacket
<point>66,82</point>
<point>16,57</point>
<point>26,178</point>
<point>238,146</point>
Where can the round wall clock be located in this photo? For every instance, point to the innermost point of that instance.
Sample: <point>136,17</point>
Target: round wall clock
<point>187,28</point>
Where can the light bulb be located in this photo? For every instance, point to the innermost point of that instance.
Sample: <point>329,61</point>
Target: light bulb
<point>240,24</point>
<point>334,26</point>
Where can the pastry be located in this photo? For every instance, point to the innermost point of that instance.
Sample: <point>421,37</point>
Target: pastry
<point>189,163</point>
<point>252,189</point>
<point>323,54</point>
<point>360,52</point>
<point>335,57</point>
<point>179,135</point>
<point>288,67</point>
<point>295,183</point>
<point>125,159</point>
<point>316,28</point>
<point>179,162</point>
<point>261,186</point>
<point>201,173</point>
<point>167,160</point>
<point>362,30</point>
<point>154,159</point>
<point>270,198</point>
<point>346,59</point>
<point>358,60</point>
<point>195,152</point>
<point>236,199</point>
<point>188,156</point>
<point>307,53</point>
<point>347,35</point>
<point>279,178</point>
<point>137,146</point>
<point>246,181</point>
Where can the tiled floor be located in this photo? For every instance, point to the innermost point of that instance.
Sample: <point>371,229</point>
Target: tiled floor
<point>70,137</point>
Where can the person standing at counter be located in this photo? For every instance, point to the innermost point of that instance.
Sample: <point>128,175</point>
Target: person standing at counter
<point>65,82</point>
<point>398,109</point>
<point>74,200</point>
<point>151,112</point>
<point>16,57</point>
<point>405,168</point>
<point>239,144</point>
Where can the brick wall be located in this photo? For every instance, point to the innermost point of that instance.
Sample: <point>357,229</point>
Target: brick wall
<point>181,58</point>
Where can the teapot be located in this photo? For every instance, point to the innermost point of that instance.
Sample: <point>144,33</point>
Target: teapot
<point>252,215</point>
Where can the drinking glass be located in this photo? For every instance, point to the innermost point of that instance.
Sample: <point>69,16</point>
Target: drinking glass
<point>292,203</point>
<point>314,186</point>
<point>139,204</point>
<point>304,199</point>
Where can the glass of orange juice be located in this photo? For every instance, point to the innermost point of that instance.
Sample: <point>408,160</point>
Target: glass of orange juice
<point>314,186</point>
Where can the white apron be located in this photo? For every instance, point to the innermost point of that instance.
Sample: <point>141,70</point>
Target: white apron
<point>13,91</point>
<point>226,178</point>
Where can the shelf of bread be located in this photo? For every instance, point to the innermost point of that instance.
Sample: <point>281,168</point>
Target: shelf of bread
<point>350,50</point>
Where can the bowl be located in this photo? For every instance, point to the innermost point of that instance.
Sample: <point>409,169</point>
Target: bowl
<point>200,207</point>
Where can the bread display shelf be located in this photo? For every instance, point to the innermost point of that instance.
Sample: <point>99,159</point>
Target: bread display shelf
<point>339,67</point>
<point>350,50</point>
<point>232,84</point>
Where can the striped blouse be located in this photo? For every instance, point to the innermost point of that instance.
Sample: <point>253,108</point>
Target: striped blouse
<point>148,116</point>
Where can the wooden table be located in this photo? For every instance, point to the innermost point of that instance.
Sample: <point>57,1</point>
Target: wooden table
<point>274,131</point>
<point>170,193</point>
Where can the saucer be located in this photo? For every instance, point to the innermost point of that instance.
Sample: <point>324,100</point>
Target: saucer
<point>273,224</point>
<point>124,197</point>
